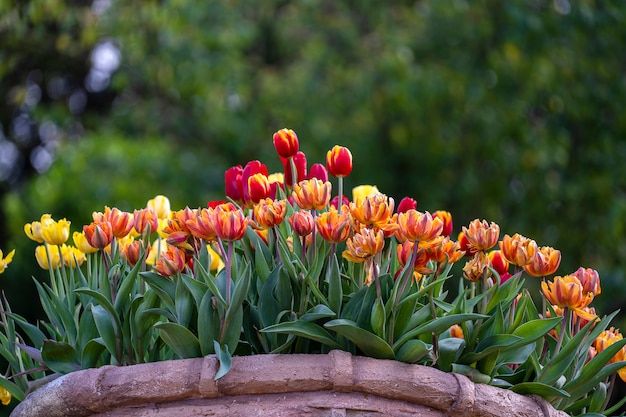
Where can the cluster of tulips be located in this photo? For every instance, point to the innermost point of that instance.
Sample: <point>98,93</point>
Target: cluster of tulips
<point>349,271</point>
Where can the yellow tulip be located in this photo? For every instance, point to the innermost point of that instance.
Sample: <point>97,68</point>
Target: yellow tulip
<point>5,260</point>
<point>80,241</point>
<point>55,233</point>
<point>42,256</point>
<point>5,396</point>
<point>33,230</point>
<point>161,205</point>
<point>362,191</point>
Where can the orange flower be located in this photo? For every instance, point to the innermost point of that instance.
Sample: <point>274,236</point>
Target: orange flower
<point>415,226</point>
<point>286,143</point>
<point>447,251</point>
<point>482,235</point>
<point>468,249</point>
<point>302,222</point>
<point>229,224</point>
<point>517,249</point>
<point>364,245</point>
<point>333,226</point>
<point>98,234</point>
<point>269,213</point>
<point>420,266</point>
<point>476,268</point>
<point>606,339</point>
<point>590,280</point>
<point>375,210</point>
<point>145,219</point>
<point>171,262</point>
<point>456,331</point>
<point>200,225</point>
<point>446,218</point>
<point>339,161</point>
<point>312,194</point>
<point>544,262</point>
<point>567,292</point>
<point>121,221</point>
<point>132,252</point>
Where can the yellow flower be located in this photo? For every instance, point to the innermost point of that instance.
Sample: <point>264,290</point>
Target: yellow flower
<point>72,256</point>
<point>158,248</point>
<point>55,233</point>
<point>5,260</point>
<point>5,396</point>
<point>33,230</point>
<point>216,261</point>
<point>42,256</point>
<point>362,191</point>
<point>80,241</point>
<point>161,205</point>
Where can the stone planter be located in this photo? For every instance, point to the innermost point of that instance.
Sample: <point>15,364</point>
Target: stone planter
<point>336,384</point>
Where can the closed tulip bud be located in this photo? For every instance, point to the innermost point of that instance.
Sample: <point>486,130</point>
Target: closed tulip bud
<point>302,222</point>
<point>299,160</point>
<point>233,184</point>
<point>456,331</point>
<point>251,169</point>
<point>41,255</point>
<point>286,143</point>
<point>132,252</point>
<point>98,234</point>
<point>171,262</point>
<point>590,280</point>
<point>498,262</point>
<point>406,204</point>
<point>258,188</point>
<point>216,261</point>
<point>318,171</point>
<point>145,220</point>
<point>161,206</point>
<point>339,161</point>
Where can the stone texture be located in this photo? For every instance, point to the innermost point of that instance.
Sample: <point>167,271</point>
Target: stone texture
<point>336,384</point>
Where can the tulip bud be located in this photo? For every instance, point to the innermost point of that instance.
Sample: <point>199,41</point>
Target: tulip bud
<point>318,171</point>
<point>299,160</point>
<point>286,143</point>
<point>406,204</point>
<point>446,218</point>
<point>258,188</point>
<point>252,168</point>
<point>98,234</point>
<point>232,181</point>
<point>339,161</point>
<point>302,222</point>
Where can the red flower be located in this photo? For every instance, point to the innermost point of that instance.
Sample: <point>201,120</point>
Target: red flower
<point>251,168</point>
<point>339,161</point>
<point>299,160</point>
<point>318,171</point>
<point>232,181</point>
<point>286,143</point>
<point>406,204</point>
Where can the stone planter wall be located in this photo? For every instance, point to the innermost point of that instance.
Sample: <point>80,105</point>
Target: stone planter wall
<point>336,384</point>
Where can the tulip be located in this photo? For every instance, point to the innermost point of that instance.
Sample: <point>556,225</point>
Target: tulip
<point>201,225</point>
<point>80,241</point>
<point>481,235</point>
<point>364,245</point>
<point>145,220</point>
<point>362,191</point>
<point>318,171</point>
<point>5,396</point>
<point>415,226</point>
<point>229,225</point>
<point>311,194</point>
<point>302,222</point>
<point>606,339</point>
<point>161,206</point>
<point>566,292</point>
<point>518,250</point>
<point>499,262</point>
<point>465,246</point>
<point>269,213</point>
<point>339,161</point>
<point>334,226</point>
<point>406,204</point>
<point>447,251</point>
<point>286,143</point>
<point>375,210</point>
<point>216,261</point>
<point>404,252</point>
<point>171,262</point>
<point>476,268</point>
<point>55,233</point>
<point>446,218</point>
<point>98,234</point>
<point>544,262</point>
<point>590,280</point>
<point>122,222</point>
<point>33,230</point>
<point>456,331</point>
<point>335,201</point>
<point>299,162</point>
<point>72,256</point>
<point>258,188</point>
<point>5,260</point>
<point>233,184</point>
<point>41,255</point>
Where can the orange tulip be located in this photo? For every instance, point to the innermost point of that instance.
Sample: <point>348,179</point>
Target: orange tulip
<point>517,249</point>
<point>416,226</point>
<point>446,218</point>
<point>229,224</point>
<point>171,262</point>
<point>606,339</point>
<point>498,262</point>
<point>269,213</point>
<point>312,194</point>
<point>447,251</point>
<point>144,218</point>
<point>375,210</point>
<point>333,226</point>
<point>420,265</point>
<point>481,235</point>
<point>339,161</point>
<point>590,280</point>
<point>302,222</point>
<point>476,268</point>
<point>566,292</point>
<point>98,234</point>
<point>456,331</point>
<point>544,262</point>
<point>200,225</point>
<point>364,245</point>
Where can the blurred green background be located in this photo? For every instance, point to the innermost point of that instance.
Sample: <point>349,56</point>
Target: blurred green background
<point>508,111</point>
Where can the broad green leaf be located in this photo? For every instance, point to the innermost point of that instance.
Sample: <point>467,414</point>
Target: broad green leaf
<point>320,311</point>
<point>224,358</point>
<point>543,390</point>
<point>106,304</point>
<point>449,351</point>
<point>534,329</point>
<point>208,324</point>
<point>335,292</point>
<point>437,326</point>
<point>165,288</point>
<point>180,339</point>
<point>305,329</point>
<point>105,329</point>
<point>128,282</point>
<point>412,351</point>
<point>33,332</point>
<point>378,318</point>
<point>92,353</point>
<point>59,357</point>
<point>16,392</point>
<point>195,287</point>
<point>211,283</point>
<point>184,304</point>
<point>368,343</point>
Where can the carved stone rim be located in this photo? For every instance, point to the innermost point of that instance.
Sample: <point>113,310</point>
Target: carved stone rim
<point>84,393</point>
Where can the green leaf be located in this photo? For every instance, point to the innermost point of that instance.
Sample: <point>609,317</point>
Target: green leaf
<point>106,304</point>
<point>534,329</point>
<point>548,392</point>
<point>196,288</point>
<point>105,328</point>
<point>378,318</point>
<point>305,329</point>
<point>184,304</point>
<point>224,358</point>
<point>165,288</point>
<point>59,357</point>
<point>368,343</point>
<point>449,351</point>
<point>126,286</point>
<point>180,339</point>
<point>335,292</point>
<point>92,353</point>
<point>412,351</point>
<point>208,324</point>
<point>320,311</point>
<point>437,326</point>
<point>33,332</point>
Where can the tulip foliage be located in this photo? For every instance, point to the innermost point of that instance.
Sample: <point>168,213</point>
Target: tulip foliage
<point>286,265</point>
